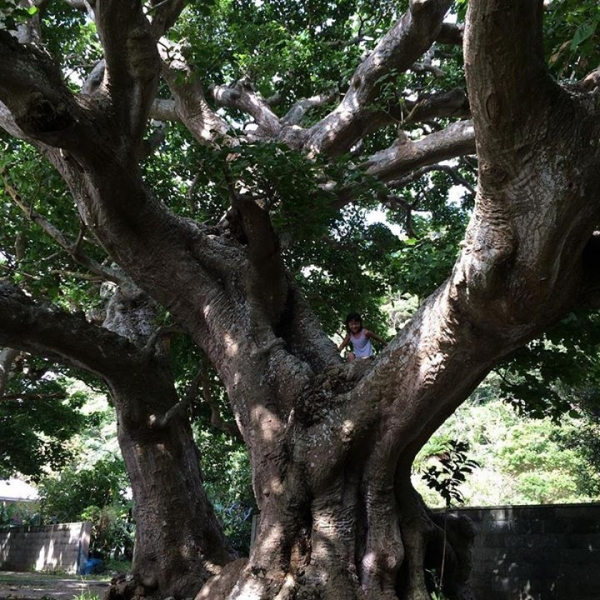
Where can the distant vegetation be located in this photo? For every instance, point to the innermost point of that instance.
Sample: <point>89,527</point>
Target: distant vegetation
<point>523,460</point>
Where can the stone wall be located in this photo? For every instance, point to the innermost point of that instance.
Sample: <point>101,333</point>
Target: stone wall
<point>62,547</point>
<point>549,552</point>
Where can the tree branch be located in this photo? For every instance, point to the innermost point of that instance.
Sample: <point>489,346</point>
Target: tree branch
<point>242,96</point>
<point>7,358</point>
<point>591,82</point>
<point>190,103</point>
<point>398,50</point>
<point>445,104</point>
<point>132,63</point>
<point>73,249</point>
<point>8,123</point>
<point>265,254</point>
<point>164,13</point>
<point>164,110</point>
<point>32,88</point>
<point>451,33</point>
<point>406,155</point>
<point>295,115</point>
<point>509,86</point>
<point>418,173</point>
<point>48,331</point>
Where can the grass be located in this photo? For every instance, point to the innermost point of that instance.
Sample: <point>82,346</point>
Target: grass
<point>86,595</point>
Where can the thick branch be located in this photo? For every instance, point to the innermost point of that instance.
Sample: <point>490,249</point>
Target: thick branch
<point>445,104</point>
<point>48,331</point>
<point>270,284</point>
<point>190,103</point>
<point>8,123</point>
<point>538,156</point>
<point>32,89</point>
<point>164,110</point>
<point>132,62</point>
<point>509,86</point>
<point>451,33</point>
<point>407,155</point>
<point>295,115</point>
<point>163,15</point>
<point>242,96</point>
<point>402,46</point>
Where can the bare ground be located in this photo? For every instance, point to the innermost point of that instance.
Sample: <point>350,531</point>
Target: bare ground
<point>35,586</point>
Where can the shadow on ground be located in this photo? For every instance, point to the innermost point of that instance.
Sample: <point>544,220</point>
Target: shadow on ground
<point>35,586</point>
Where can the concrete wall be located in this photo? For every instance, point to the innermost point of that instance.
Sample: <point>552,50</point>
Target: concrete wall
<point>62,547</point>
<point>536,552</point>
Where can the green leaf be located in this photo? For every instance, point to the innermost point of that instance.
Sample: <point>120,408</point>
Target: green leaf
<point>583,32</point>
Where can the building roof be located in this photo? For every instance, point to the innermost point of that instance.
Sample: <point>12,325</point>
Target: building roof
<point>16,490</point>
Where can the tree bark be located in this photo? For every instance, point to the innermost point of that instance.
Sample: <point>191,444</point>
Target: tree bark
<point>179,542</point>
<point>330,443</point>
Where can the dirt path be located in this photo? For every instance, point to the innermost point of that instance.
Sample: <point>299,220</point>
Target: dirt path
<point>35,586</point>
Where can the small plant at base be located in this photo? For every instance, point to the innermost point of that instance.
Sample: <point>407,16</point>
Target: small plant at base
<point>86,595</point>
<point>454,466</point>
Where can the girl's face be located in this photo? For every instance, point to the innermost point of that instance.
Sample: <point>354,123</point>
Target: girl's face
<point>354,326</point>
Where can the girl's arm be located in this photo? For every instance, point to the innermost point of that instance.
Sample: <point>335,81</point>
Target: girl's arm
<point>375,337</point>
<point>344,343</point>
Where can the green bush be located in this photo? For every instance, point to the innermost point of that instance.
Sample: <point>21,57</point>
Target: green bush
<point>97,494</point>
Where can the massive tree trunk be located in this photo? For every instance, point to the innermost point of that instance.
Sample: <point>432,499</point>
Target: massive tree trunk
<point>331,444</point>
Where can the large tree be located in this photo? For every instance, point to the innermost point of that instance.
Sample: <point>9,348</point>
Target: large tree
<point>331,444</point>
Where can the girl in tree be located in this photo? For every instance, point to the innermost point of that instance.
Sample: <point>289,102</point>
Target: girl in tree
<point>359,337</point>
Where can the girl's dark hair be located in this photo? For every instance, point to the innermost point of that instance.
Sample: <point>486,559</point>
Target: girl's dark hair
<point>353,317</point>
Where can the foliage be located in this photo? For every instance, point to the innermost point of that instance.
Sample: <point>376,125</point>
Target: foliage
<point>37,417</point>
<point>522,460</point>
<point>280,46</point>
<point>65,496</point>
<point>451,471</point>
<point>96,493</point>
<point>227,480</point>
<point>546,377</point>
<point>113,531</point>
<point>291,51</point>
<point>582,437</point>
<point>572,37</point>
<point>12,14</point>
<point>18,513</point>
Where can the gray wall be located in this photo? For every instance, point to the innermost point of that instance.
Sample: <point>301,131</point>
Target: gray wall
<point>62,547</point>
<point>549,552</point>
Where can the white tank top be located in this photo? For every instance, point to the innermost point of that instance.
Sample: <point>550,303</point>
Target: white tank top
<point>361,345</point>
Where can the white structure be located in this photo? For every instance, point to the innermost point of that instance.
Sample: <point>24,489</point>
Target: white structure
<point>16,490</point>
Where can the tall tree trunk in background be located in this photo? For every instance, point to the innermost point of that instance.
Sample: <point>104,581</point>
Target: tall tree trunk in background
<point>179,542</point>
